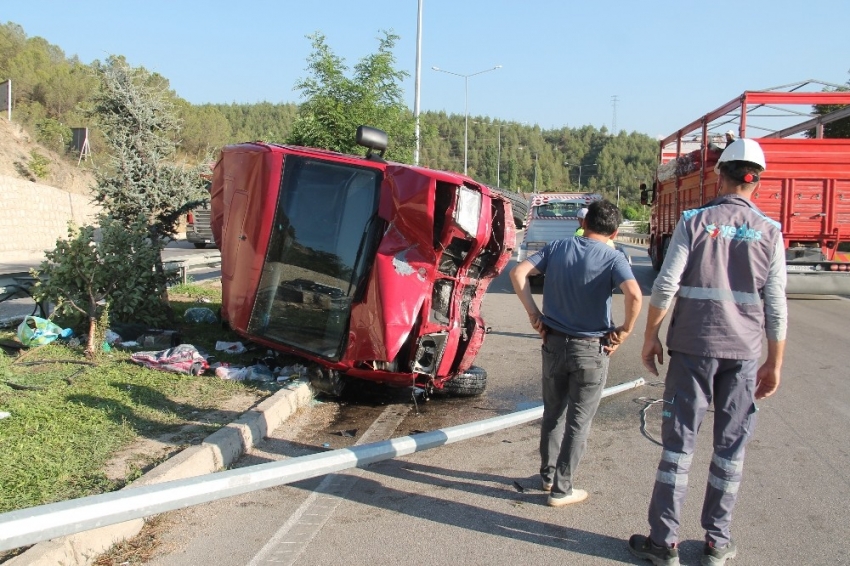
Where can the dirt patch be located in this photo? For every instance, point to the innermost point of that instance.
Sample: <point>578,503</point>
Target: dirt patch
<point>145,453</point>
<point>15,147</point>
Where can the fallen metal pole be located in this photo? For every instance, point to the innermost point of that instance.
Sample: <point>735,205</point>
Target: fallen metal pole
<point>35,524</point>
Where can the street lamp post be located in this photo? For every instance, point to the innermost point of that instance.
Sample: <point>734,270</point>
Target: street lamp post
<point>579,170</point>
<point>466,108</point>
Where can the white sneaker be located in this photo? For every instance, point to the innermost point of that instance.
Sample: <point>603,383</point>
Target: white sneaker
<point>577,496</point>
<point>546,485</point>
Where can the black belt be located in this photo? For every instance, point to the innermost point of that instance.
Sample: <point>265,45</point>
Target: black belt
<point>571,337</point>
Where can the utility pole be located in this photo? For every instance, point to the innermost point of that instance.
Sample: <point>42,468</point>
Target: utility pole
<point>614,118</point>
<point>418,77</point>
<point>499,159</point>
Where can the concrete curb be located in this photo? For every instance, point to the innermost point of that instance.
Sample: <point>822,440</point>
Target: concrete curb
<point>217,451</point>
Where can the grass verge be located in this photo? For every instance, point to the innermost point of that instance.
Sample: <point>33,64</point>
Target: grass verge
<point>68,419</point>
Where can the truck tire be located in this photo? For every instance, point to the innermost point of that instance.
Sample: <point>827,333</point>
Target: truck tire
<point>655,255</point>
<point>469,383</point>
<point>519,205</point>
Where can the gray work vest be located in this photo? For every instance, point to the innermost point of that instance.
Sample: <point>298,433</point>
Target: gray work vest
<point>719,311</point>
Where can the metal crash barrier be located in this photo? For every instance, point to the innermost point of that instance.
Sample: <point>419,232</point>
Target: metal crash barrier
<point>184,265</point>
<point>36,524</point>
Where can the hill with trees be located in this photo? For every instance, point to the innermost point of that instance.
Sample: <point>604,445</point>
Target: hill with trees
<point>53,92</point>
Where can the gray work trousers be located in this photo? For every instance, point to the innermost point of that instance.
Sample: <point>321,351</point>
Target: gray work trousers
<point>692,383</point>
<point>574,373</point>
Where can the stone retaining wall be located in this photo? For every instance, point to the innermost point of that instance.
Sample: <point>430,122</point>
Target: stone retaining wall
<point>33,216</point>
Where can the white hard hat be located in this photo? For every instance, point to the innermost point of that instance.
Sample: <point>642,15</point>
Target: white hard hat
<point>581,213</point>
<point>742,149</point>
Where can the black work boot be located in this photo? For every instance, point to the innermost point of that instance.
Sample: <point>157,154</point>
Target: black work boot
<point>718,555</point>
<point>643,547</point>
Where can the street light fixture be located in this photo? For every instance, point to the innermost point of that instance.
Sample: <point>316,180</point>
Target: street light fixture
<point>579,170</point>
<point>466,108</point>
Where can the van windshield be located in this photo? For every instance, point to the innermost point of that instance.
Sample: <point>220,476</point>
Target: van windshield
<point>322,243</point>
<point>558,209</point>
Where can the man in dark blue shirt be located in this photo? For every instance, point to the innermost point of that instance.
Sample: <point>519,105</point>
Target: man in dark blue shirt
<point>578,337</point>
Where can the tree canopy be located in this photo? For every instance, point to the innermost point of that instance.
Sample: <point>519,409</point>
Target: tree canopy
<point>837,129</point>
<point>335,105</point>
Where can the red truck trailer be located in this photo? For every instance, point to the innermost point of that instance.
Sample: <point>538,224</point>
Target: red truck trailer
<point>806,187</point>
<point>364,268</point>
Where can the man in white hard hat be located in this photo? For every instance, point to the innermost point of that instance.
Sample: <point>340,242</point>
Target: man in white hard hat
<point>726,267</point>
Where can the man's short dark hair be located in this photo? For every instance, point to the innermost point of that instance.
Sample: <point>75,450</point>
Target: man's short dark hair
<point>603,217</point>
<point>741,172</point>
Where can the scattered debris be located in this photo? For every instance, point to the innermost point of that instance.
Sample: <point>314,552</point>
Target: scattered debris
<point>37,331</point>
<point>200,315</point>
<point>4,415</point>
<point>11,346</point>
<point>184,358</point>
<point>256,372</point>
<point>230,347</point>
<point>518,487</point>
<point>111,337</point>
<point>350,433</point>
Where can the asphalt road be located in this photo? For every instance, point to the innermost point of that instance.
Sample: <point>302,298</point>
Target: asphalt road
<point>476,502</point>
<point>13,309</point>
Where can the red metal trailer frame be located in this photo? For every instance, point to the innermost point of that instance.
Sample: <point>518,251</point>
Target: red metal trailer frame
<point>806,187</point>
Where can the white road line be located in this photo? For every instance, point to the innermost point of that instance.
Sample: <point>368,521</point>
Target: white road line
<point>293,537</point>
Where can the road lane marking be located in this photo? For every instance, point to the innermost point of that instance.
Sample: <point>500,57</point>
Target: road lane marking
<point>293,537</point>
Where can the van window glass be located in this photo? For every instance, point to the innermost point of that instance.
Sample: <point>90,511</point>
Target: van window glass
<point>323,241</point>
<point>557,210</point>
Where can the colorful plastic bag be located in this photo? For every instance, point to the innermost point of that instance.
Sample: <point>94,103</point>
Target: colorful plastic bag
<point>200,315</point>
<point>36,331</point>
<point>184,358</point>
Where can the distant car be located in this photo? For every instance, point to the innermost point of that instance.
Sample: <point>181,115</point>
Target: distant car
<point>367,269</point>
<point>198,230</point>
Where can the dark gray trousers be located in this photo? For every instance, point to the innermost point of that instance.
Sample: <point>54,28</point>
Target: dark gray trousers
<point>574,373</point>
<point>692,383</point>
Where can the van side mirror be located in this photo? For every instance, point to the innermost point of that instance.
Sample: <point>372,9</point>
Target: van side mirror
<point>373,139</point>
<point>644,195</point>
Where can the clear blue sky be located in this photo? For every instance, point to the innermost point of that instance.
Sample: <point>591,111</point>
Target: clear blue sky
<point>667,61</point>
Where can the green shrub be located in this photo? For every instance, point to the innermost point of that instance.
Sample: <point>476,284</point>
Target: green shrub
<point>53,134</point>
<point>39,165</point>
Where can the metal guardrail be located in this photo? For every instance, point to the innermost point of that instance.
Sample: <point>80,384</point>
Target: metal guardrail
<point>190,263</point>
<point>632,237</point>
<point>36,524</point>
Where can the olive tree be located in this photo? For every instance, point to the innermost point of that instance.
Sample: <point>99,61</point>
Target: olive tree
<point>335,104</point>
<point>86,275</point>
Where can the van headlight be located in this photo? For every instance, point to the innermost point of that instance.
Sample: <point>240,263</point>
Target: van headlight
<point>468,210</point>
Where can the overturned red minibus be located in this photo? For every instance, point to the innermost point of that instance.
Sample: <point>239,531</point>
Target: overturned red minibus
<point>367,269</point>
